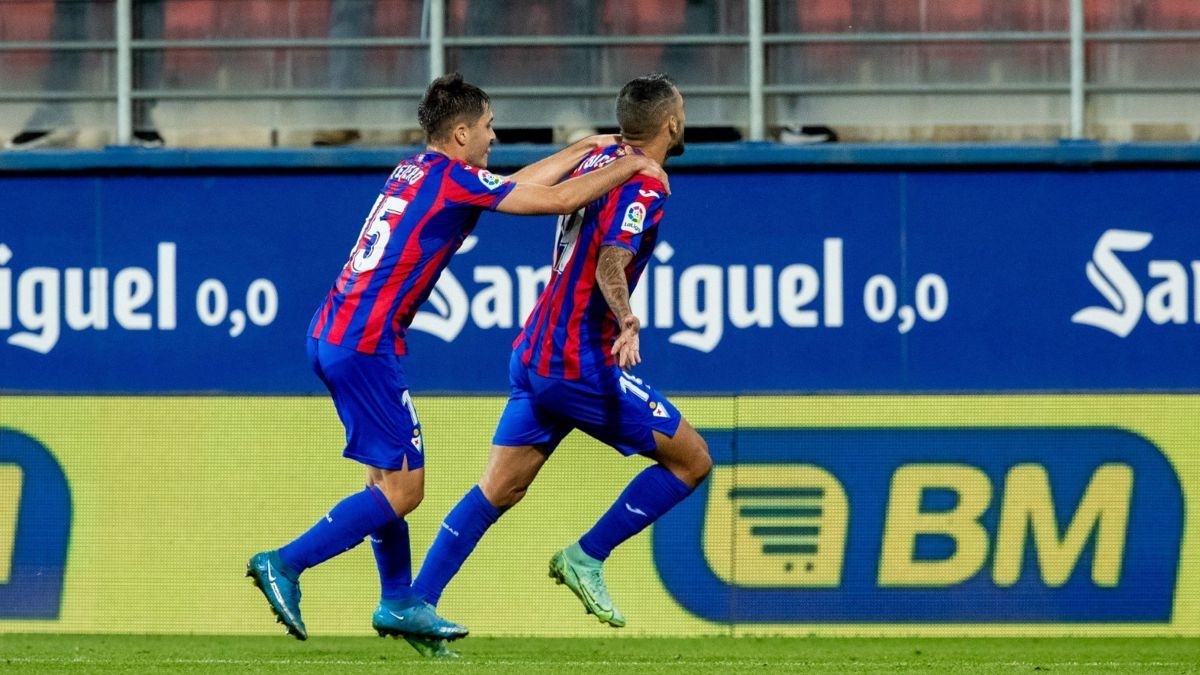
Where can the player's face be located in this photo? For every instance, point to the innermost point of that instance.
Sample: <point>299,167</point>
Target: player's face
<point>675,127</point>
<point>480,138</point>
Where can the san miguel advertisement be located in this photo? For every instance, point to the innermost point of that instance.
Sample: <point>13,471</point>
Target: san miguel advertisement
<point>761,282</point>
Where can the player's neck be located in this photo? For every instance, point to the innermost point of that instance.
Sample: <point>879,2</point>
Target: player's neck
<point>655,148</point>
<point>449,152</point>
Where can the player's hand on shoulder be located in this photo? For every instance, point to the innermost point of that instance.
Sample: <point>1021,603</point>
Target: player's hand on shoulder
<point>654,170</point>
<point>626,347</point>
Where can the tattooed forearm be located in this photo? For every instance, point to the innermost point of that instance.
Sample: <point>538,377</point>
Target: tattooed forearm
<point>610,275</point>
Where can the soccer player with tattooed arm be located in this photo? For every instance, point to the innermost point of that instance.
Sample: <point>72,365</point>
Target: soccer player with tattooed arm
<point>568,371</point>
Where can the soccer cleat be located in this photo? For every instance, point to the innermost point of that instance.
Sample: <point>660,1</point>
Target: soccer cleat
<point>420,620</point>
<point>431,648</point>
<point>282,593</point>
<point>584,575</point>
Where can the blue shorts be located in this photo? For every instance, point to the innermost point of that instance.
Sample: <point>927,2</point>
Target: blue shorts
<point>613,407</point>
<point>373,402</point>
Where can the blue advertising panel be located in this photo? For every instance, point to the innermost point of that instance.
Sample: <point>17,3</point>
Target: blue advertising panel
<point>763,281</point>
<point>927,525</point>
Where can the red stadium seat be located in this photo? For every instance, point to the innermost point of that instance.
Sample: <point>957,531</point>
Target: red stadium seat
<point>26,21</point>
<point>946,16</point>
<point>189,20</point>
<point>1173,15</point>
<point>890,16</point>
<point>822,16</point>
<point>395,19</point>
<point>1115,15</point>
<point>640,17</point>
<point>307,19</point>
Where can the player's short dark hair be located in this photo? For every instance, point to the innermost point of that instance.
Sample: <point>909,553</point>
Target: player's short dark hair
<point>447,101</point>
<point>642,104</point>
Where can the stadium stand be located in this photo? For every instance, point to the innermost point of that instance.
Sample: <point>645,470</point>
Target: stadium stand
<point>874,89</point>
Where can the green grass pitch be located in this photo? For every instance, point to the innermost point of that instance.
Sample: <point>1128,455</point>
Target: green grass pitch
<point>207,654</point>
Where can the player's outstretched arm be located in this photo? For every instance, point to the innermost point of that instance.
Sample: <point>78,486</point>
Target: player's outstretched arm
<point>552,169</point>
<point>527,199</point>
<point>610,277</point>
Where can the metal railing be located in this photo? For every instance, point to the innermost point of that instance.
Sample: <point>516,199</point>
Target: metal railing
<point>755,90</point>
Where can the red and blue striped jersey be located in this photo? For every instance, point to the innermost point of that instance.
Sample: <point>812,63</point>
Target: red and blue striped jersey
<point>571,330</point>
<point>426,209</point>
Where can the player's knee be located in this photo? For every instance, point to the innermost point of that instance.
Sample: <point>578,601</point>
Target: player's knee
<point>503,494</point>
<point>701,467</point>
<point>699,463</point>
<point>511,497</point>
<point>403,502</point>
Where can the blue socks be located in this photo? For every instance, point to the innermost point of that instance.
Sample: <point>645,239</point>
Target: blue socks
<point>342,529</point>
<point>356,516</point>
<point>461,531</point>
<point>393,557</point>
<point>648,496</point>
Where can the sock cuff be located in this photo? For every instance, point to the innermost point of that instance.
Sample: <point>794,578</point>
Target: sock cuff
<point>382,502</point>
<point>668,481</point>
<point>284,568</point>
<point>482,504</point>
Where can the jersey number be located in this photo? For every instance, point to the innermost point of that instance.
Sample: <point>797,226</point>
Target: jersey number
<point>568,235</point>
<point>376,231</point>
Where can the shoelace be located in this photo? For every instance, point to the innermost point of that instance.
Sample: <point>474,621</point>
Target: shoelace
<point>596,581</point>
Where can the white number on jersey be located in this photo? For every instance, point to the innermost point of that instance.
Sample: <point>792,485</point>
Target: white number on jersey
<point>406,400</point>
<point>376,231</point>
<point>568,235</point>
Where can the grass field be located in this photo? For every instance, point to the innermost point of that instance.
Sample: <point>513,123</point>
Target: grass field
<point>202,654</point>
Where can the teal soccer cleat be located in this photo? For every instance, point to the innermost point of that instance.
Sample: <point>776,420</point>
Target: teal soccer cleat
<point>281,592</point>
<point>431,648</point>
<point>421,620</point>
<point>584,575</point>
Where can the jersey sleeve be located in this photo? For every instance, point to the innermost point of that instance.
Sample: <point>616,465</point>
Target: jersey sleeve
<point>472,186</point>
<point>638,208</point>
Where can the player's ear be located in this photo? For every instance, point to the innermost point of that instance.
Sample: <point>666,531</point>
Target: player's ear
<point>673,126</point>
<point>460,133</point>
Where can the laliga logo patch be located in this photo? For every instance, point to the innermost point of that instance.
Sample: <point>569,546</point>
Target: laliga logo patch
<point>490,180</point>
<point>635,216</point>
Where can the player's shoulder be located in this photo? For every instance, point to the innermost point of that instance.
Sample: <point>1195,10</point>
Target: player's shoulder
<point>643,189</point>
<point>649,187</point>
<point>489,180</point>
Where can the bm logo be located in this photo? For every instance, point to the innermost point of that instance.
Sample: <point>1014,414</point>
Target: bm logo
<point>35,524</point>
<point>927,525</point>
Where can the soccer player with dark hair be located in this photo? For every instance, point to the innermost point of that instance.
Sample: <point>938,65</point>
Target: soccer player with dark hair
<point>568,371</point>
<point>427,207</point>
